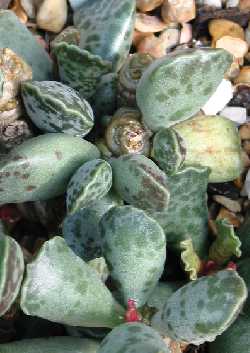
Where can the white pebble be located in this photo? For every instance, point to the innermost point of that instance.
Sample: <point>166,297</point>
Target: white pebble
<point>236,114</point>
<point>220,98</point>
<point>52,15</point>
<point>211,3</point>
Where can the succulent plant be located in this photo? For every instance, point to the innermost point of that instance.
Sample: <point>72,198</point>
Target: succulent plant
<point>54,107</point>
<point>106,28</point>
<point>11,270</point>
<point>164,91</point>
<point>15,36</point>
<point>243,270</point>
<point>134,246</point>
<point>70,35</point>
<point>129,76</point>
<point>81,230</point>
<point>133,337</point>
<point>80,69</point>
<point>126,135</point>
<point>202,309</point>
<point>76,297</point>
<point>243,234</point>
<point>52,345</point>
<point>187,214</point>
<point>41,167</point>
<point>139,181</point>
<point>212,141</point>
<point>91,182</point>
<point>191,261</point>
<point>234,339</point>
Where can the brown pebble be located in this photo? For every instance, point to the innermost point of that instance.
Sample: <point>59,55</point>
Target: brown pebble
<point>178,11</point>
<point>151,24</point>
<point>244,75</point>
<point>231,217</point>
<point>148,5</point>
<point>231,205</point>
<point>245,131</point>
<point>246,146</point>
<point>221,27</point>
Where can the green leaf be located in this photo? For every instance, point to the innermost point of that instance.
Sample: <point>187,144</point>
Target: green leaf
<point>214,142</point>
<point>226,244</point>
<point>134,246</point>
<point>54,107</point>
<point>106,28</point>
<point>80,69</point>
<point>11,272</point>
<point>244,236</point>
<point>243,269</point>
<point>176,87</point>
<point>162,293</point>
<point>91,182</point>
<point>61,287</point>
<point>203,309</point>
<point>40,168</point>
<point>191,261</point>
<point>100,266</point>
<point>133,337</point>
<point>187,214</point>
<point>140,182</point>
<point>51,345</point>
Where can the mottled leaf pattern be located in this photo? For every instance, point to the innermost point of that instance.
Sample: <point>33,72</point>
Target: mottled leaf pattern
<point>54,107</point>
<point>91,182</point>
<point>51,345</point>
<point>140,182</point>
<point>203,309</point>
<point>11,272</point>
<point>106,28</point>
<point>40,168</point>
<point>61,287</point>
<point>105,95</point>
<point>226,243</point>
<point>177,86</point>
<point>133,337</point>
<point>134,246</point>
<point>80,69</point>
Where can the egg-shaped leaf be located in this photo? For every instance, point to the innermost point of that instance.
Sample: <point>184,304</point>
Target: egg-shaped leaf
<point>140,182</point>
<point>61,287</point>
<point>40,168</point>
<point>203,309</point>
<point>91,182</point>
<point>134,246</point>
<point>177,86</point>
<point>54,107</point>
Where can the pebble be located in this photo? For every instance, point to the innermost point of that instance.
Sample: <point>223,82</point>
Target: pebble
<point>246,188</point>
<point>147,5</point>
<point>231,205</point>
<point>139,36</point>
<point>220,98</point>
<point>230,216</point>
<point>244,75</point>
<point>19,11</point>
<point>221,27</point>
<point>186,33</point>
<point>52,15</point>
<point>246,146</point>
<point>244,4</point>
<point>146,23</point>
<point>236,114</point>
<point>210,3</point>
<point>236,46</point>
<point>30,7</point>
<point>76,4</point>
<point>178,11</point>
<point>245,131</point>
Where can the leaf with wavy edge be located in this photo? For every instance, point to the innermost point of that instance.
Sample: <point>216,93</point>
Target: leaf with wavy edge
<point>226,244</point>
<point>190,259</point>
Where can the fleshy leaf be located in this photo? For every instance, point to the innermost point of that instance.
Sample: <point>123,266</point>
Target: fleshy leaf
<point>244,236</point>
<point>51,345</point>
<point>133,337</point>
<point>140,182</point>
<point>187,214</point>
<point>61,287</point>
<point>214,142</point>
<point>226,244</point>
<point>134,246</point>
<point>40,168</point>
<point>11,272</point>
<point>165,90</point>
<point>91,182</point>
<point>190,259</point>
<point>80,69</point>
<point>234,339</point>
<point>203,309</point>
<point>243,267</point>
<point>54,107</point>
<point>106,28</point>
<point>105,96</point>
<point>162,293</point>
<point>168,150</point>
<point>81,229</point>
